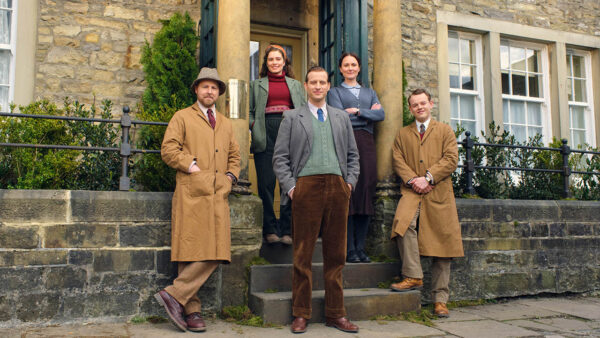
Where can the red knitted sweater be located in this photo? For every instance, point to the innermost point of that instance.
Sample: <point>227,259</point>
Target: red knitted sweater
<point>279,94</point>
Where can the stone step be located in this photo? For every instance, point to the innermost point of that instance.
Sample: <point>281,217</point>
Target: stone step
<point>278,277</point>
<point>361,304</point>
<point>279,253</point>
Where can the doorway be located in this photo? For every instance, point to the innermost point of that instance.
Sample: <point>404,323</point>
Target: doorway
<point>294,43</point>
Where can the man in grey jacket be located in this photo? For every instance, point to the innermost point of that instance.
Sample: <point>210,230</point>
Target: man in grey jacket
<point>316,162</point>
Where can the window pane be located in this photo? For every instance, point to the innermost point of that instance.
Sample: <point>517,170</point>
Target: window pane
<point>520,133</point>
<point>535,86</point>
<point>580,94</point>
<point>466,51</point>
<point>578,138</point>
<point>5,26</point>
<point>505,82</point>
<point>534,131</point>
<point>504,59</point>
<point>254,60</point>
<point>289,53</point>
<point>532,60</point>
<point>505,111</point>
<point>454,124</point>
<point>578,66</point>
<point>454,106</point>
<point>467,107</point>
<point>569,70</point>
<point>518,84</point>
<point>4,66</point>
<point>534,114</point>
<point>454,76</point>
<point>3,99</point>
<point>570,89</point>
<point>470,126</point>
<point>517,112</point>
<point>452,47</point>
<point>577,117</point>
<point>517,58</point>
<point>467,79</point>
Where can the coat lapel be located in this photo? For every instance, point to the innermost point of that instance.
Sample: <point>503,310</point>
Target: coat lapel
<point>199,112</point>
<point>263,82</point>
<point>306,122</point>
<point>429,129</point>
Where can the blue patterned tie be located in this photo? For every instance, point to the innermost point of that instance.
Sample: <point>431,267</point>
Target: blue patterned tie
<point>320,115</point>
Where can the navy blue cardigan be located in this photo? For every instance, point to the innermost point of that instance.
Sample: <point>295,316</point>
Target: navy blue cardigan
<point>342,98</point>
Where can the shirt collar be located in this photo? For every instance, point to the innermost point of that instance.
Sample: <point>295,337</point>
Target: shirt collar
<point>345,85</point>
<point>426,123</point>
<point>313,109</point>
<point>205,109</point>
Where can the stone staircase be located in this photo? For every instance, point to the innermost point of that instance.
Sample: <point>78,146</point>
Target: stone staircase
<point>270,288</point>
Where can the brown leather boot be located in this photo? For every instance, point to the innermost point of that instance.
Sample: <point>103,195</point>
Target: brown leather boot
<point>342,324</point>
<point>299,325</point>
<point>173,307</point>
<point>407,284</point>
<point>195,322</point>
<point>441,310</point>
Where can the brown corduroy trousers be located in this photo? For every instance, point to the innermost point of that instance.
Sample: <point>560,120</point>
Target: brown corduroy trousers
<point>190,277</point>
<point>320,202</point>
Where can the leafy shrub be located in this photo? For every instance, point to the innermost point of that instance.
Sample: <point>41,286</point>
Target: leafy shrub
<point>32,168</point>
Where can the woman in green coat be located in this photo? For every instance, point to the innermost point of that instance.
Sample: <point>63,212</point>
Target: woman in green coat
<point>273,93</point>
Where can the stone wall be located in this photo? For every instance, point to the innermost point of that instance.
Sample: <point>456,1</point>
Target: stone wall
<point>419,49</point>
<point>69,255</point>
<point>513,247</point>
<point>93,47</point>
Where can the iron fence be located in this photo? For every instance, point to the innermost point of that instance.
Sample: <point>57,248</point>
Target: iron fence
<point>469,166</point>
<point>125,150</point>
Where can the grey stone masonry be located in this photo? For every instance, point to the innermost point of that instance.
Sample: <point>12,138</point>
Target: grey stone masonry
<point>512,247</point>
<point>72,255</point>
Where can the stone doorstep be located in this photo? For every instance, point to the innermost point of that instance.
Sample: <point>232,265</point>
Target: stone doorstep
<point>361,304</point>
<point>278,277</point>
<point>279,253</point>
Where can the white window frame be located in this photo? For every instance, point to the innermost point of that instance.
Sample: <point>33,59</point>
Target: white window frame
<point>477,92</point>
<point>590,131</point>
<point>545,99</point>
<point>12,47</point>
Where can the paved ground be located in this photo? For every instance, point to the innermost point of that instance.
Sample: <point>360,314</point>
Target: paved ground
<point>573,316</point>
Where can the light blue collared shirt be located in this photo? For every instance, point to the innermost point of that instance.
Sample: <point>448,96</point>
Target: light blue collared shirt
<point>355,90</point>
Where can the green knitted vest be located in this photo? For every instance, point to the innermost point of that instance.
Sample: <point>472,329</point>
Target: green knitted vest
<point>323,158</point>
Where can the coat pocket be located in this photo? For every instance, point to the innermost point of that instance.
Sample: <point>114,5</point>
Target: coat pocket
<point>201,183</point>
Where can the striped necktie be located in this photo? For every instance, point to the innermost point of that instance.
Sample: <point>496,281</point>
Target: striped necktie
<point>211,118</point>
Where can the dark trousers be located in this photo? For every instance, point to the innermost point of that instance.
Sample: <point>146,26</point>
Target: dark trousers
<point>320,202</point>
<point>358,227</point>
<point>266,179</point>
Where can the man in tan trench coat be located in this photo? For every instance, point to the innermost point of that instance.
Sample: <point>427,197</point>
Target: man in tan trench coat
<point>425,154</point>
<point>199,143</point>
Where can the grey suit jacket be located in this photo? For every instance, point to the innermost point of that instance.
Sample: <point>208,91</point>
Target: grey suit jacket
<point>294,145</point>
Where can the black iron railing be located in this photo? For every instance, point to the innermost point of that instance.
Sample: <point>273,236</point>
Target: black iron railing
<point>125,149</point>
<point>469,166</point>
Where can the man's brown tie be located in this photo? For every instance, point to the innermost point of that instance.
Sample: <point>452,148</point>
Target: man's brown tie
<point>211,118</point>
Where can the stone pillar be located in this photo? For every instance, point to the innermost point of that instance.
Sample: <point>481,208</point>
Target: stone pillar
<point>233,52</point>
<point>387,81</point>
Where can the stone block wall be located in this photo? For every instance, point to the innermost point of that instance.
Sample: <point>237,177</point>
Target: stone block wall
<point>513,247</point>
<point>93,47</point>
<point>69,255</point>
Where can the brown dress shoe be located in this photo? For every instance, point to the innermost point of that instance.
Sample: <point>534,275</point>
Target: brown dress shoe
<point>299,325</point>
<point>342,324</point>
<point>195,322</point>
<point>173,308</point>
<point>407,284</point>
<point>441,310</point>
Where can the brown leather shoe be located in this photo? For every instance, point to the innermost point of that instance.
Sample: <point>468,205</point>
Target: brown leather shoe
<point>173,308</point>
<point>342,324</point>
<point>299,325</point>
<point>441,310</point>
<point>407,284</point>
<point>195,322</point>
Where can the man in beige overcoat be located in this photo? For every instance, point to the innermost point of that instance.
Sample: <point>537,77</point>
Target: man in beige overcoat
<point>425,154</point>
<point>199,143</point>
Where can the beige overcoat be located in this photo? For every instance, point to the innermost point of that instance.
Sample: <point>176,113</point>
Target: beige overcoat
<point>200,228</point>
<point>439,231</point>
